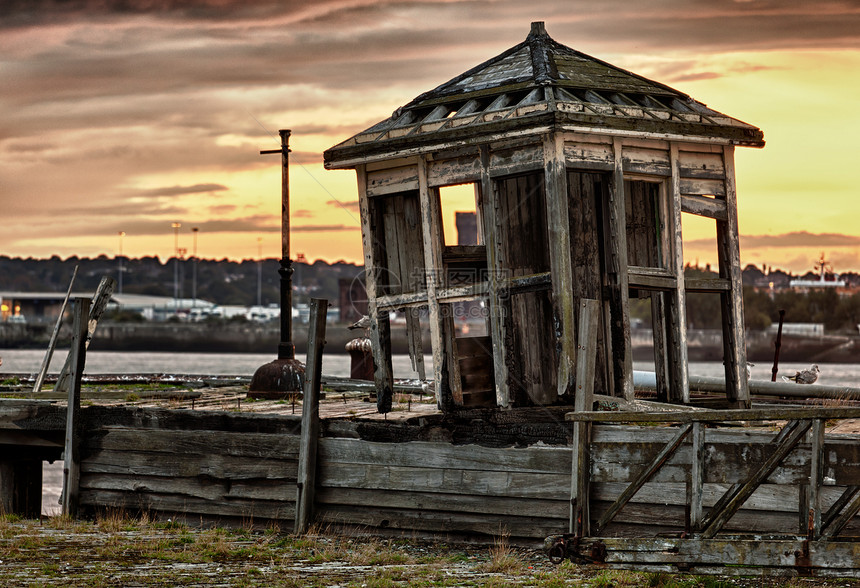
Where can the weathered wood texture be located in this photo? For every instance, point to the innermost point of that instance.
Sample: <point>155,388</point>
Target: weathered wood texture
<point>306,483</point>
<point>530,339</point>
<point>96,308</point>
<point>203,472</point>
<point>71,448</point>
<point>436,486</point>
<point>586,192</point>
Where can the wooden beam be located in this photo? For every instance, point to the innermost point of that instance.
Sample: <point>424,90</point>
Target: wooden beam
<point>697,476</point>
<point>580,515</point>
<point>708,416</point>
<point>616,265</point>
<point>71,449</point>
<point>651,282</point>
<point>586,353</point>
<point>704,206</point>
<point>714,285</point>
<point>495,265</point>
<point>816,476</point>
<point>431,226</point>
<point>558,233</point>
<point>382,376</point>
<point>676,299</point>
<point>97,307</point>
<point>306,482</point>
<point>643,477</point>
<point>43,370</point>
<point>732,302</point>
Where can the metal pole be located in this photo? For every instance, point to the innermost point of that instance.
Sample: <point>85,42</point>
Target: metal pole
<point>176,265</point>
<point>194,269</point>
<point>286,373</point>
<point>286,349</point>
<point>777,346</point>
<point>121,235</point>
<point>260,272</point>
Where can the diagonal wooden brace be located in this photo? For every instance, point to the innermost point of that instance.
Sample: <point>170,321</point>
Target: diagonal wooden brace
<point>736,497</point>
<point>643,477</point>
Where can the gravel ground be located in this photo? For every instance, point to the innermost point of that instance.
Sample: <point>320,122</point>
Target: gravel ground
<point>117,551</point>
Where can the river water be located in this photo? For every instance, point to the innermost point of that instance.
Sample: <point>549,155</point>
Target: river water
<point>28,361</point>
<point>244,364</point>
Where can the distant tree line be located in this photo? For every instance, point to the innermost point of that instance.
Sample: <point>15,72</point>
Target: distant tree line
<point>763,303</point>
<point>223,282</point>
<point>228,282</point>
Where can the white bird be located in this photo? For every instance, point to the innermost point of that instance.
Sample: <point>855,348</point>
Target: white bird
<point>362,323</point>
<point>804,376</point>
<point>749,367</point>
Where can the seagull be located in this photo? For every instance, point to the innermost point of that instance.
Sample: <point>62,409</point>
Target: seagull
<point>804,376</point>
<point>749,367</point>
<point>362,323</point>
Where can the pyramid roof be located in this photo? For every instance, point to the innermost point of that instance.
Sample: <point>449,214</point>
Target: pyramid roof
<point>533,84</point>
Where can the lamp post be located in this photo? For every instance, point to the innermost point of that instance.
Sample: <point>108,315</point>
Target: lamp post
<point>260,272</point>
<point>285,374</point>
<point>175,265</point>
<point>119,281</point>
<point>194,231</point>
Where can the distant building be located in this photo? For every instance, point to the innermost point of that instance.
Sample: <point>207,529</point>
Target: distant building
<point>826,279</point>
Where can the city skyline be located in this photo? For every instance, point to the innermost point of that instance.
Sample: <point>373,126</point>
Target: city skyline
<point>128,117</point>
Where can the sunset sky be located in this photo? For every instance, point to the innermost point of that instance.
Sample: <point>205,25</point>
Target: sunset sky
<point>131,115</point>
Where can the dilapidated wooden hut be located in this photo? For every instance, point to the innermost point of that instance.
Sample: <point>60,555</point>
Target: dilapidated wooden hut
<point>581,172</point>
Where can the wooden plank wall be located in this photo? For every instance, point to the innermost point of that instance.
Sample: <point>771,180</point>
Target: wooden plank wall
<point>437,487</point>
<point>213,473</point>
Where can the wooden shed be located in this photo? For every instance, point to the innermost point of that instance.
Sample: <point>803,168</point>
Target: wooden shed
<point>581,173</point>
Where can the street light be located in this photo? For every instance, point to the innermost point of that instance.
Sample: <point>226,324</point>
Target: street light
<point>121,235</point>
<point>286,373</point>
<point>176,265</point>
<point>194,269</point>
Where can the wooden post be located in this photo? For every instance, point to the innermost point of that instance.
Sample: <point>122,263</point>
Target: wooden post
<point>306,482</point>
<point>586,346</point>
<point>556,193</point>
<point>382,375</point>
<point>816,476</point>
<point>431,233</point>
<point>728,252</point>
<point>71,457</point>
<point>40,379</point>
<point>97,309</point>
<point>697,476</point>
<point>676,300</point>
<point>616,265</point>
<point>495,263</point>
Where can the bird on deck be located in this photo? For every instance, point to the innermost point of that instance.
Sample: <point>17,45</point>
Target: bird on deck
<point>804,376</point>
<point>362,323</point>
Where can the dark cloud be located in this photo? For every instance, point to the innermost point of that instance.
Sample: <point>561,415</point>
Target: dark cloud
<point>792,239</point>
<point>351,205</point>
<point>695,76</point>
<point>321,228</point>
<point>800,239</point>
<point>182,190</point>
<point>103,95</point>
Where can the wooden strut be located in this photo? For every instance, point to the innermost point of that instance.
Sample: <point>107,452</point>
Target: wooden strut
<point>71,451</point>
<point>589,313</point>
<point>96,310</point>
<point>306,479</point>
<point>43,371</point>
